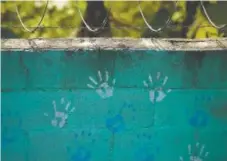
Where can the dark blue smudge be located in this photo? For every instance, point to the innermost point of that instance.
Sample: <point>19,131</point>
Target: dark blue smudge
<point>115,124</point>
<point>93,141</point>
<point>6,141</point>
<point>127,105</point>
<point>199,119</point>
<point>81,154</point>
<point>146,136</point>
<point>144,154</point>
<point>89,134</point>
<point>11,134</point>
<point>75,136</point>
<point>202,100</point>
<point>82,133</point>
<point>149,137</point>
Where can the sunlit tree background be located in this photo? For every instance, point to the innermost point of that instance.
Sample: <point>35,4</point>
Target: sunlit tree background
<point>62,19</point>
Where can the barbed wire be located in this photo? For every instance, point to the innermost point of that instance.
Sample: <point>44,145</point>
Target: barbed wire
<point>149,26</point>
<point>104,22</point>
<point>118,27</point>
<point>208,17</point>
<point>41,20</point>
<point>168,24</point>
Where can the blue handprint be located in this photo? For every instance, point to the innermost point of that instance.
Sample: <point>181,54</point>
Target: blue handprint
<point>11,127</point>
<point>81,151</point>
<point>115,124</point>
<point>199,119</point>
<point>6,141</point>
<point>81,154</point>
<point>143,154</point>
<point>146,148</point>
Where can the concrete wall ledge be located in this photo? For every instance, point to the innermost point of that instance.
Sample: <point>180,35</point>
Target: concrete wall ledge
<point>114,44</point>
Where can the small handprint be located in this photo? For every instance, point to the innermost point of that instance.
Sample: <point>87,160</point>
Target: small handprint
<point>144,154</point>
<point>60,117</point>
<point>156,94</point>
<point>198,155</point>
<point>115,124</point>
<point>199,119</point>
<point>146,147</point>
<point>103,88</point>
<point>81,154</point>
<point>11,127</point>
<point>81,149</point>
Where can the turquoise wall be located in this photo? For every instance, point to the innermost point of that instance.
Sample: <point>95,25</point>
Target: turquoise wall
<point>114,106</point>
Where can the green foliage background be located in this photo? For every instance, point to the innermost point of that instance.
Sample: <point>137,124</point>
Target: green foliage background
<point>65,21</point>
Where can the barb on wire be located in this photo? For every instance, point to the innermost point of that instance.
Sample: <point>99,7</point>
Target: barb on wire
<point>149,26</point>
<point>93,29</point>
<point>208,17</point>
<point>38,26</point>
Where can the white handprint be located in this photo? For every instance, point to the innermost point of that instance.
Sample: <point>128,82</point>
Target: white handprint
<point>194,156</point>
<point>60,118</point>
<point>103,89</point>
<point>160,92</point>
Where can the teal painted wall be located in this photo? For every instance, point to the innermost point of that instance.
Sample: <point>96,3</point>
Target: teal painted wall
<point>114,106</point>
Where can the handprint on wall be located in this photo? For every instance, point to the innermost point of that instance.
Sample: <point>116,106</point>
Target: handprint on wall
<point>103,88</point>
<point>115,124</point>
<point>82,145</point>
<point>146,149</point>
<point>199,119</point>
<point>81,154</point>
<point>143,154</point>
<point>197,155</point>
<point>60,117</point>
<point>11,127</point>
<point>156,93</point>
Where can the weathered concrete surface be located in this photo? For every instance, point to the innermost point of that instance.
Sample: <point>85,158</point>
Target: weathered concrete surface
<point>145,105</point>
<point>115,43</point>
